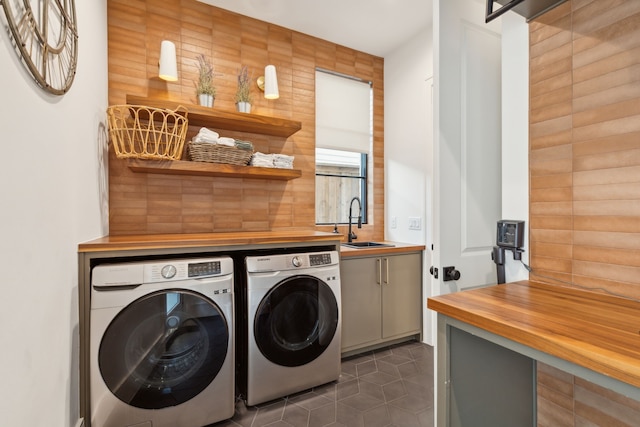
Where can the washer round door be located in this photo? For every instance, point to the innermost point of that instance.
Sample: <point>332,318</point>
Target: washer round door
<point>296,321</point>
<point>163,349</point>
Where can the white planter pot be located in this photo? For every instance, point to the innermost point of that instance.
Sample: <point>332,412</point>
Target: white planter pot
<point>205,100</point>
<point>244,107</point>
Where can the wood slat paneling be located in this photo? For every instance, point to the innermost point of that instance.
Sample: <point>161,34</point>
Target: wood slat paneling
<point>590,237</point>
<point>143,203</point>
<point>595,140</point>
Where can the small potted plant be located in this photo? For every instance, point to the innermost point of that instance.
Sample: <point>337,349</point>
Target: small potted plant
<point>205,89</point>
<point>243,93</point>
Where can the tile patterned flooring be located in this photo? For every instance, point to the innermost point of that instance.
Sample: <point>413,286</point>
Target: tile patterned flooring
<point>390,387</point>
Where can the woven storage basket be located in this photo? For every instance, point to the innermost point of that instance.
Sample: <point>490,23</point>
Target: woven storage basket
<point>215,153</point>
<point>142,132</point>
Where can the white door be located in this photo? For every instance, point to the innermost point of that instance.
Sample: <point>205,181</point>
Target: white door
<point>467,144</point>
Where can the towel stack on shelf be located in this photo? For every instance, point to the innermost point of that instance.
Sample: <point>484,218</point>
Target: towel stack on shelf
<point>280,161</point>
<point>209,146</point>
<point>208,136</point>
<point>261,160</point>
<point>212,137</point>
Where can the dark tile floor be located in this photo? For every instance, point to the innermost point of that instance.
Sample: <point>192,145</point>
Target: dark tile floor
<point>387,387</point>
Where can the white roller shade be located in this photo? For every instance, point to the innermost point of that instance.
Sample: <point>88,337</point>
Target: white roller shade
<point>343,113</point>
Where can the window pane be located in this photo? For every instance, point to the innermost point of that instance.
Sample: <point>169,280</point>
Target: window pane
<point>333,195</point>
<point>340,176</point>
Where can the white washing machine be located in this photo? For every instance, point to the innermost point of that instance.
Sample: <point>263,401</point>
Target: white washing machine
<point>162,343</point>
<point>294,323</point>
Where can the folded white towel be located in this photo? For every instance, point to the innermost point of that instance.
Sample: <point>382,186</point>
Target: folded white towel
<point>223,140</point>
<point>206,135</point>
<point>281,161</point>
<point>283,158</point>
<point>262,160</point>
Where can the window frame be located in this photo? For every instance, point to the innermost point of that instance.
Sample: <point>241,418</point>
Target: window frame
<point>365,157</point>
<point>363,177</point>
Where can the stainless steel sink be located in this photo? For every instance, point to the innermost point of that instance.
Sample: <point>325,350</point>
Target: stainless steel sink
<point>362,245</point>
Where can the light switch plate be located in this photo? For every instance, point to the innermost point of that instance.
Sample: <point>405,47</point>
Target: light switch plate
<point>415,223</point>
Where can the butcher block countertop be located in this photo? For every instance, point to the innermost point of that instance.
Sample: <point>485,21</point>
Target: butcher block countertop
<point>597,331</point>
<point>177,241</point>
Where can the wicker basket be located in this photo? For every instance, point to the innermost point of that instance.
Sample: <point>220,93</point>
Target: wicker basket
<point>216,153</point>
<point>145,132</point>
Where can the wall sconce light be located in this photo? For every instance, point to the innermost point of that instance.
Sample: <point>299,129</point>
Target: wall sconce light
<point>168,65</point>
<point>269,83</point>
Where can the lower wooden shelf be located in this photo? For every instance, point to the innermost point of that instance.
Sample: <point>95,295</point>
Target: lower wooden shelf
<point>181,167</point>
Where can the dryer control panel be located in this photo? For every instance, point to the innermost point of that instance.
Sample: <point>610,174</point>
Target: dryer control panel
<point>291,261</point>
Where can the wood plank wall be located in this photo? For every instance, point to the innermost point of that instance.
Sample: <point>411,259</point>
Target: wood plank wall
<point>565,400</point>
<point>585,178</point>
<point>585,145</point>
<point>150,204</point>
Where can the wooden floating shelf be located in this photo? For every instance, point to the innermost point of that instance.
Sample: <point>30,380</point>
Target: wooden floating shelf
<point>181,167</point>
<point>227,120</point>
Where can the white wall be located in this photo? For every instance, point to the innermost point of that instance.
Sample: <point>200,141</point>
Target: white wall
<point>53,190</point>
<point>408,147</point>
<point>515,132</point>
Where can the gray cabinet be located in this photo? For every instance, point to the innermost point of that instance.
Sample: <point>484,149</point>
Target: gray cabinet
<point>381,299</point>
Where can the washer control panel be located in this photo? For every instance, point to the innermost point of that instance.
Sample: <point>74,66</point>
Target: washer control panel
<point>207,268</point>
<point>182,269</point>
<point>136,273</point>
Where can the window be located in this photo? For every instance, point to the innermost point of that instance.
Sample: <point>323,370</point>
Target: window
<point>344,134</point>
<point>340,176</point>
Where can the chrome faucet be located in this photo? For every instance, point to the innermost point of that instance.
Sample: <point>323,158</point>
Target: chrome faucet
<point>352,236</point>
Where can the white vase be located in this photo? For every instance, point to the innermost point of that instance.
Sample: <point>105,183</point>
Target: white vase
<point>205,100</point>
<point>244,107</point>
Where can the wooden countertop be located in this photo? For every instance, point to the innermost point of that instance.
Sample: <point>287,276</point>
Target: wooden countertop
<point>347,252</point>
<point>596,331</point>
<point>171,241</point>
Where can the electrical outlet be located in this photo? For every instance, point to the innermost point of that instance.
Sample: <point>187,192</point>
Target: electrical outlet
<point>394,222</point>
<point>415,223</point>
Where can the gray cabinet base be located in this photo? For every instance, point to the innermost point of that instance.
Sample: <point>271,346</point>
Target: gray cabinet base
<point>489,385</point>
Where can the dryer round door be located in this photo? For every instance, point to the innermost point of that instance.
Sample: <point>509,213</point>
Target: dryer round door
<point>163,349</point>
<point>296,321</point>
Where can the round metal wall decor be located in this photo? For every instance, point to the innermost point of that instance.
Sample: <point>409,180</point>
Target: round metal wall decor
<point>45,33</point>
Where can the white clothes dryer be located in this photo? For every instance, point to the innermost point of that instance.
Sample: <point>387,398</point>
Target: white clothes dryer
<point>294,323</point>
<point>162,343</point>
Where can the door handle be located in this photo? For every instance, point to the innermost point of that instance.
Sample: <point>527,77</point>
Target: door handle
<point>450,273</point>
<point>379,267</point>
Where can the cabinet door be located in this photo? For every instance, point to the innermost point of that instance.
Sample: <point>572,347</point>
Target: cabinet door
<point>361,303</point>
<point>401,295</point>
